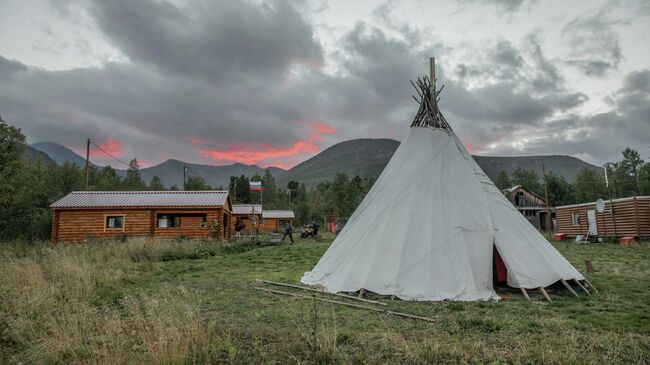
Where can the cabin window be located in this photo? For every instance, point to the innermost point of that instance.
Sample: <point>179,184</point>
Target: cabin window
<point>114,222</point>
<point>575,218</point>
<point>171,220</point>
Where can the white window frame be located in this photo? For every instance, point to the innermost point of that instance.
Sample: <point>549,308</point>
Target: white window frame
<point>575,218</point>
<point>114,229</point>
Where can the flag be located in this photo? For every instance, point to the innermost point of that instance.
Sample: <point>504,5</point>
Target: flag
<point>256,185</point>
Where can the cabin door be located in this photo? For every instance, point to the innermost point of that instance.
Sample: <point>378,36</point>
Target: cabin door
<point>591,219</point>
<point>226,226</point>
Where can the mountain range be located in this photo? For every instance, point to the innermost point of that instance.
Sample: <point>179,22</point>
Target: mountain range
<point>364,157</point>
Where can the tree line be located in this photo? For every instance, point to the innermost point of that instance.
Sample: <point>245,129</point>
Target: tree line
<point>27,188</point>
<point>627,177</point>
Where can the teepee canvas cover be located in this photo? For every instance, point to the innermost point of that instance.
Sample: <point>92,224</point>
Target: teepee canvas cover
<point>427,228</point>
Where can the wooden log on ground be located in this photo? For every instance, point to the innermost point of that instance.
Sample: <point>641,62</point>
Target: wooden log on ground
<point>545,294</point>
<point>523,291</point>
<point>566,285</point>
<point>399,314</point>
<point>590,266</point>
<point>582,286</point>
<point>320,291</point>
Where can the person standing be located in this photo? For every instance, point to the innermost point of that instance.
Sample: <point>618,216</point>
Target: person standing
<point>288,231</point>
<point>239,226</point>
<point>314,228</point>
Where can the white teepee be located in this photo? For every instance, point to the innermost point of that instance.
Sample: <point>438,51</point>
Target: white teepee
<point>427,228</point>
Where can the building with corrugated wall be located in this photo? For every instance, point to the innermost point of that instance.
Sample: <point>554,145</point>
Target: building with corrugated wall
<point>83,215</point>
<point>631,218</point>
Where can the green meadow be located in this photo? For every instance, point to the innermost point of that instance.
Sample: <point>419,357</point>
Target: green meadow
<point>194,302</point>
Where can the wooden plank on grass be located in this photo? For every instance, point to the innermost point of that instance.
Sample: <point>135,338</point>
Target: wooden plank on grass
<point>392,313</point>
<point>320,291</point>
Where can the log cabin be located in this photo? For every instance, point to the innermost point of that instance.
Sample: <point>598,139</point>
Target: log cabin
<point>83,215</point>
<point>275,220</point>
<point>531,205</point>
<point>251,214</point>
<point>631,218</point>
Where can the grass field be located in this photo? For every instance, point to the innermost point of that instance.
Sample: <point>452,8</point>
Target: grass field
<point>194,302</point>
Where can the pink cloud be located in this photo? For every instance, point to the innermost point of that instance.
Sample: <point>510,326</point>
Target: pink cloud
<point>196,140</point>
<point>112,146</point>
<point>249,153</point>
<point>270,155</point>
<point>322,128</point>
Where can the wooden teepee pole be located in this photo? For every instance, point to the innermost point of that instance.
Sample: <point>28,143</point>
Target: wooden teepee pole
<point>432,72</point>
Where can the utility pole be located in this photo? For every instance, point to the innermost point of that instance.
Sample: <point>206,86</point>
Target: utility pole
<point>184,177</point>
<point>87,161</point>
<point>548,208</point>
<point>611,202</point>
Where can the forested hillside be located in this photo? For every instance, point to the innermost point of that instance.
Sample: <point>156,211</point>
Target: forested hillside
<point>30,182</point>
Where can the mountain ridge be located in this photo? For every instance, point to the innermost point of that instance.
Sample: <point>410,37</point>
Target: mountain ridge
<point>363,157</point>
<point>170,171</point>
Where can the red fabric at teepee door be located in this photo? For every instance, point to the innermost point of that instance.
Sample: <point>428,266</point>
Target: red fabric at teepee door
<point>502,272</point>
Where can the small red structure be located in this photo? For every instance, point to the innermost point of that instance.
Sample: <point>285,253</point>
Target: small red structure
<point>627,241</point>
<point>559,237</point>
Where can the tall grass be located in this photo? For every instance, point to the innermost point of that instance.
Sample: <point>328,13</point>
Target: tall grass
<point>162,302</point>
<point>64,304</point>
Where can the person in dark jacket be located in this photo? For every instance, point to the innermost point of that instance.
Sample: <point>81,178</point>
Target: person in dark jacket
<point>314,228</point>
<point>288,231</point>
<point>239,226</point>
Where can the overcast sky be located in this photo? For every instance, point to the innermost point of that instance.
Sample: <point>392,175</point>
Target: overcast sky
<point>275,82</point>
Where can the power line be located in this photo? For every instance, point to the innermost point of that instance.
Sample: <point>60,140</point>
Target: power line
<point>115,158</point>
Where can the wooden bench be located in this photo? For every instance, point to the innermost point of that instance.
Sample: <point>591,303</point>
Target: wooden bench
<point>275,238</point>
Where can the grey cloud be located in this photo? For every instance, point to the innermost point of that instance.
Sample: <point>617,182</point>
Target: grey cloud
<point>9,68</point>
<point>509,6</point>
<point>520,86</point>
<point>188,78</point>
<point>546,77</point>
<point>506,54</point>
<point>599,137</point>
<point>593,44</point>
<point>215,40</point>
<point>636,81</point>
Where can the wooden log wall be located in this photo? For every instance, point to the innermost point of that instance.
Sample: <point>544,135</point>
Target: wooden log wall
<point>74,225</point>
<point>632,217</point>
<point>77,225</point>
<point>270,225</point>
<point>190,227</point>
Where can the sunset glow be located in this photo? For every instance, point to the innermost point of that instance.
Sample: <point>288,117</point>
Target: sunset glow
<point>270,155</point>
<point>110,145</point>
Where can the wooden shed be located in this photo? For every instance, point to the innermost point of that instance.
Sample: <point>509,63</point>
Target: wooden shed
<point>251,214</point>
<point>531,205</point>
<point>275,220</point>
<point>631,218</point>
<point>157,214</point>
